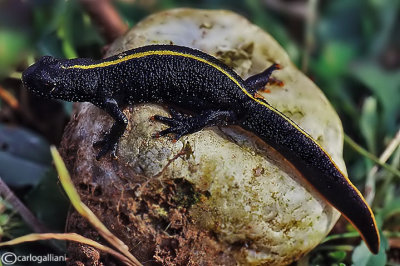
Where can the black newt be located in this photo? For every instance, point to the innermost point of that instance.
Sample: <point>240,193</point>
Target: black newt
<point>214,94</point>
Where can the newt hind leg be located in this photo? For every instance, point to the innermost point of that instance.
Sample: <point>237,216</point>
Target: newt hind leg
<point>181,124</point>
<point>256,82</point>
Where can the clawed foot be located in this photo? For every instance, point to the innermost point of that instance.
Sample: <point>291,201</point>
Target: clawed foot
<point>180,124</point>
<point>106,145</point>
<point>277,82</point>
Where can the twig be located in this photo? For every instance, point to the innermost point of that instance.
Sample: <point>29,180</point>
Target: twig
<point>296,9</point>
<point>15,75</point>
<point>85,212</point>
<point>390,234</point>
<point>335,247</point>
<point>341,236</point>
<point>25,213</point>
<point>309,33</point>
<point>108,20</point>
<point>370,156</point>
<point>8,98</point>
<point>388,180</point>
<point>71,237</point>
<point>370,182</point>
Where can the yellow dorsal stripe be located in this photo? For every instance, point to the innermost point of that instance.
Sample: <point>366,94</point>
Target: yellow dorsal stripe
<point>219,68</point>
<point>174,53</point>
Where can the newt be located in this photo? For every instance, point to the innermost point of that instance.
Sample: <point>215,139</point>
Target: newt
<point>209,93</point>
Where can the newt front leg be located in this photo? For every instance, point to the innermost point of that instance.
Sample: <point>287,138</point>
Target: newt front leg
<point>111,138</point>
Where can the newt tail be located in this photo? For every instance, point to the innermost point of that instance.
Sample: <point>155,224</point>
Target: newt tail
<point>318,169</point>
<point>213,94</point>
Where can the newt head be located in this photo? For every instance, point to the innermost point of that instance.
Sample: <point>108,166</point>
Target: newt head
<point>43,78</point>
<point>50,77</point>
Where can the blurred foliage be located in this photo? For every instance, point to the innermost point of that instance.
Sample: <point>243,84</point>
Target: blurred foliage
<point>9,223</point>
<point>26,156</point>
<point>12,45</point>
<point>354,58</point>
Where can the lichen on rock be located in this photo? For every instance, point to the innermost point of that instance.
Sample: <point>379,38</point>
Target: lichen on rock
<point>220,195</point>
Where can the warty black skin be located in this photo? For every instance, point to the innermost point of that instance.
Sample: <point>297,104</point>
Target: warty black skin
<point>214,94</point>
